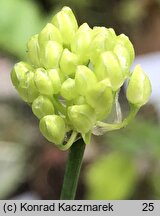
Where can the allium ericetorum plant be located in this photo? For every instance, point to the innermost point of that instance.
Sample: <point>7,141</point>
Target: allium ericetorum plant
<point>73,77</point>
<point>72,80</point>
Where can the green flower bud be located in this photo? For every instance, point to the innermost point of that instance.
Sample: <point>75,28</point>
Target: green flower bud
<point>124,58</point>
<point>66,22</point>
<point>108,67</point>
<point>103,40</point>
<point>81,43</point>
<point>27,88</point>
<point>98,43</point>
<point>55,78</point>
<point>124,40</point>
<point>112,32</point>
<point>100,98</point>
<point>79,100</point>
<point>34,51</point>
<point>43,82</point>
<point>18,72</point>
<point>139,87</point>
<point>82,117</point>
<point>42,106</point>
<point>49,32</point>
<point>51,54</point>
<point>97,31</point>
<point>111,39</point>
<point>68,89</point>
<point>53,128</point>
<point>68,62</point>
<point>84,79</point>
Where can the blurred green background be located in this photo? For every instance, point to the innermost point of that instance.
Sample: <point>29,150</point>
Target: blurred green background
<point>119,165</point>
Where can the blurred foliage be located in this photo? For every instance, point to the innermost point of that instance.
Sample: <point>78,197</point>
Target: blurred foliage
<point>112,176</point>
<point>139,138</point>
<point>133,158</point>
<point>19,19</point>
<point>127,14</point>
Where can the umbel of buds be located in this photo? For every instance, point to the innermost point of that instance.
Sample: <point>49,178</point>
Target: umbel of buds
<point>73,76</point>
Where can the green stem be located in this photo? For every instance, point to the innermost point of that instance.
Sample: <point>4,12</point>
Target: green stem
<point>72,170</point>
<point>105,127</point>
<point>70,141</point>
<point>58,105</point>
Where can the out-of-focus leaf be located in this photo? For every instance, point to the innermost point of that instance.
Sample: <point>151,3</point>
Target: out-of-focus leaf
<point>19,19</point>
<point>113,176</point>
<point>140,137</point>
<point>131,11</point>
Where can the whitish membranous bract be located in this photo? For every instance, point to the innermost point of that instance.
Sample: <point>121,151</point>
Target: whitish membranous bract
<point>73,76</point>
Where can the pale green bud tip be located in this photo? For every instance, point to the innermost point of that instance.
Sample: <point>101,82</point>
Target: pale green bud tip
<point>55,78</point>
<point>85,79</point>
<point>66,22</point>
<point>53,128</point>
<point>81,43</point>
<point>108,67</point>
<point>68,89</point>
<point>18,72</point>
<point>100,97</point>
<point>42,82</point>
<point>124,40</point>
<point>139,87</point>
<point>27,88</point>
<point>82,117</point>
<point>68,62</point>
<point>34,50</point>
<point>42,106</point>
<point>51,54</point>
<point>49,32</point>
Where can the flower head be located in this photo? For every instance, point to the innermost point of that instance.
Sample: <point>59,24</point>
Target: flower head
<point>73,76</point>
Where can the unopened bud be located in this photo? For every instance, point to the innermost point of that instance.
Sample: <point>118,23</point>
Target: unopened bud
<point>111,39</point>
<point>49,32</point>
<point>108,67</point>
<point>42,106</point>
<point>100,98</point>
<point>68,62</point>
<point>27,88</point>
<point>66,22</point>
<point>84,79</point>
<point>18,72</point>
<point>42,81</point>
<point>53,128</point>
<point>139,87</point>
<point>82,117</point>
<point>81,43</point>
<point>55,78</point>
<point>34,51</point>
<point>124,58</point>
<point>124,40</point>
<point>51,54</point>
<point>100,37</point>
<point>68,89</point>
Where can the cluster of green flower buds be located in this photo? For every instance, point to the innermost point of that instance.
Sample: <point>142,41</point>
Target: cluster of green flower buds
<point>73,76</point>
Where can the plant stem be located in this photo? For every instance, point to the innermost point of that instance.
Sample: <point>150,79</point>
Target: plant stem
<point>72,171</point>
